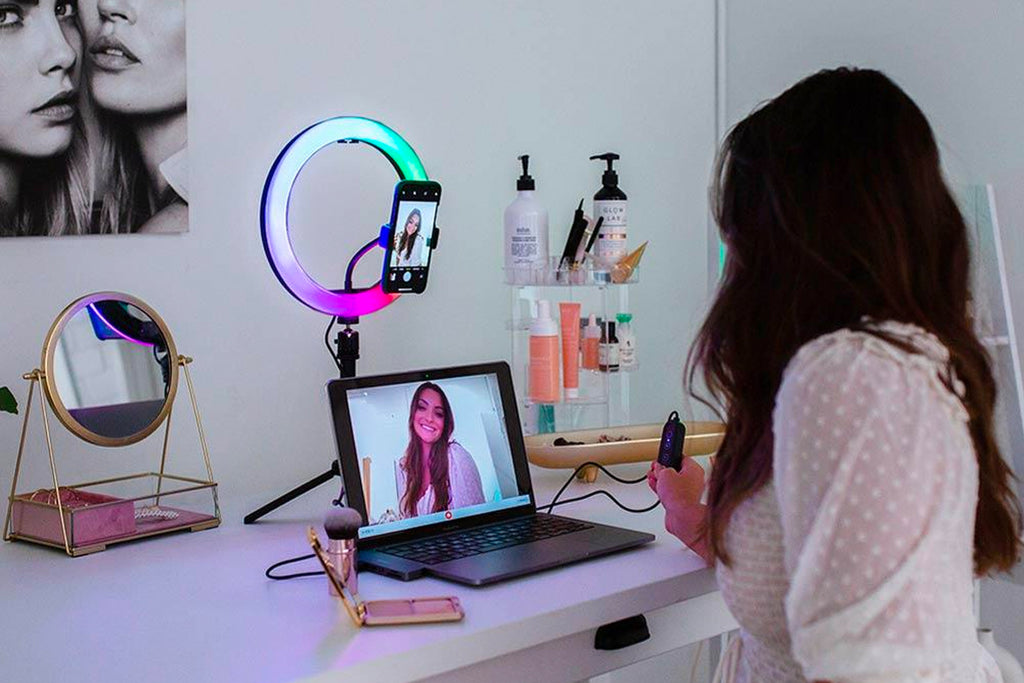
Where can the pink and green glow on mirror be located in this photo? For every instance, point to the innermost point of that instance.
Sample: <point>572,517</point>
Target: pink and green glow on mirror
<point>99,323</point>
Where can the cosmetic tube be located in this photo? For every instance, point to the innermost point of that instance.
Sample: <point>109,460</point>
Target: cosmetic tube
<point>342,553</point>
<point>591,342</point>
<point>588,232</point>
<point>543,356</point>
<point>570,319</point>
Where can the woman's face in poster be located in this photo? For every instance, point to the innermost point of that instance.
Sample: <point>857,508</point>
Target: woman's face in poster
<point>136,53</point>
<point>40,57</point>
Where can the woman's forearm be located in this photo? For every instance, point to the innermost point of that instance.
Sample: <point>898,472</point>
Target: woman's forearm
<point>685,522</point>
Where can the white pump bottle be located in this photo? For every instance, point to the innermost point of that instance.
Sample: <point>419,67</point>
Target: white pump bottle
<point>526,233</point>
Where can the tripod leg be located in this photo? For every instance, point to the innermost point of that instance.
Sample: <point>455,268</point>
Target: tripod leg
<point>294,493</point>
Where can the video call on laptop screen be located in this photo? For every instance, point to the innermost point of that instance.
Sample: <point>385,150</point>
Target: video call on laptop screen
<point>433,451</point>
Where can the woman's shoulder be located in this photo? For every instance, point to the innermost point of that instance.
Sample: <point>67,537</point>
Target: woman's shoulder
<point>457,452</point>
<point>459,456</point>
<point>881,342</point>
<point>171,218</point>
<point>878,356</point>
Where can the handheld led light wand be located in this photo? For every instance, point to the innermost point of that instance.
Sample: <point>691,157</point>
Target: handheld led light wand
<point>673,436</point>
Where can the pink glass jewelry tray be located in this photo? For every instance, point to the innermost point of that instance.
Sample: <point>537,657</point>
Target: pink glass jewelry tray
<point>90,517</point>
<point>94,520</point>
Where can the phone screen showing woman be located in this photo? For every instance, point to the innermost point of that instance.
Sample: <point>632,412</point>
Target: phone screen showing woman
<point>412,228</point>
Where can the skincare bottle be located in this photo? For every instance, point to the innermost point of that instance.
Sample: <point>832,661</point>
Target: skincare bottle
<point>591,342</point>
<point>608,351</point>
<point>627,343</point>
<point>544,356</point>
<point>610,204</point>
<point>526,233</point>
<point>569,316</point>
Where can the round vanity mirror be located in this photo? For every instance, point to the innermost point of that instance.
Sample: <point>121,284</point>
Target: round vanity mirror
<point>110,369</point>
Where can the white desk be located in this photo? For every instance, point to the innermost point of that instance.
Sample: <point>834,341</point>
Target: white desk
<point>196,607</point>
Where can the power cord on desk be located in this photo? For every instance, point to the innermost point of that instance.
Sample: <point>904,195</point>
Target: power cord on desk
<point>599,492</point>
<point>283,577</point>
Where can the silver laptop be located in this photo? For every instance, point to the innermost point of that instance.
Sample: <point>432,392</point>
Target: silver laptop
<point>435,463</point>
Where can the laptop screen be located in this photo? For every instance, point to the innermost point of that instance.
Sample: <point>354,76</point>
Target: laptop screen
<point>432,451</point>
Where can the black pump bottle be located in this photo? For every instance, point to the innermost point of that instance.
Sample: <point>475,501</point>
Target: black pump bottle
<point>610,203</point>
<point>610,180</point>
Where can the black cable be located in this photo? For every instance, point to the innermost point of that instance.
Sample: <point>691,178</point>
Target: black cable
<point>327,343</point>
<point>602,492</point>
<point>355,259</point>
<point>583,466</point>
<point>617,478</point>
<point>363,251</point>
<point>579,468</point>
<point>282,577</point>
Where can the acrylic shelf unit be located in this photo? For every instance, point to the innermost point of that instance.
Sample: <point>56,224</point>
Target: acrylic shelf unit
<point>603,396</point>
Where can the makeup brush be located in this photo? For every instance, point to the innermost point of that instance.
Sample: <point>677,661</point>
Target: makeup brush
<point>342,529</point>
<point>593,235</point>
<point>579,224</point>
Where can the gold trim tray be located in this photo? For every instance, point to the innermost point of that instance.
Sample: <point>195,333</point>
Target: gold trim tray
<point>702,438</point>
<point>54,525</point>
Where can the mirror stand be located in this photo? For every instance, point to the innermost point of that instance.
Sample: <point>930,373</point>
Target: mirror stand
<point>83,522</point>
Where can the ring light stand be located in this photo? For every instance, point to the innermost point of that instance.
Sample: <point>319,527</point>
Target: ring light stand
<point>343,305</point>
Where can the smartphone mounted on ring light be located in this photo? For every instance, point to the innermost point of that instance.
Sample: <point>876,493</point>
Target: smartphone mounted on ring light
<point>412,236</point>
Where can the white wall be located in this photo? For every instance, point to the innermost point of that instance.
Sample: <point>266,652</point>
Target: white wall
<point>963,63</point>
<point>470,85</point>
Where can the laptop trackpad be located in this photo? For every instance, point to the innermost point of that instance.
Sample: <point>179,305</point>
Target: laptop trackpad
<point>517,560</point>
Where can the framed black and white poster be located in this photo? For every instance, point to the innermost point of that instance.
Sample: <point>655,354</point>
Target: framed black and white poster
<point>93,117</point>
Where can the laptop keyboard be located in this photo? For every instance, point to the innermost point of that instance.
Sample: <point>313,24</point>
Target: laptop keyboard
<point>484,539</point>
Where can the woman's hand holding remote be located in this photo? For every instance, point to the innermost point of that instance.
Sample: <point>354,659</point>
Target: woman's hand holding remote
<point>680,493</point>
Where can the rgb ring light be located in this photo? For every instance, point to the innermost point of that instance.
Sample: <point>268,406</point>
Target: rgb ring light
<point>278,190</point>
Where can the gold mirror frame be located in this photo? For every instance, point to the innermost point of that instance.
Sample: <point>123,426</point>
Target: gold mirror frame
<point>37,517</point>
<point>50,385</point>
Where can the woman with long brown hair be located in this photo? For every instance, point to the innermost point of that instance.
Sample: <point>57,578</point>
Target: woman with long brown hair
<point>859,488</point>
<point>409,242</point>
<point>436,473</point>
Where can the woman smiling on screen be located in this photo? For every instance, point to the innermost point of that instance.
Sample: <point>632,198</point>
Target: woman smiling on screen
<point>409,242</point>
<point>436,473</point>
